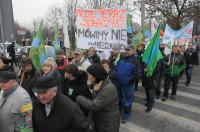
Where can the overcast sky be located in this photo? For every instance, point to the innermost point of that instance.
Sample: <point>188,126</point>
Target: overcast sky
<point>25,11</point>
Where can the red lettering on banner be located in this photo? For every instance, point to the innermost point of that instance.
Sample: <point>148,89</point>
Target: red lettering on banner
<point>112,13</point>
<point>78,11</point>
<point>102,23</point>
<point>85,13</point>
<point>122,14</point>
<point>102,18</point>
<point>103,14</point>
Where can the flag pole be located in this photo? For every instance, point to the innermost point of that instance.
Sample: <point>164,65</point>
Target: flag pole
<point>22,78</point>
<point>126,4</point>
<point>170,51</point>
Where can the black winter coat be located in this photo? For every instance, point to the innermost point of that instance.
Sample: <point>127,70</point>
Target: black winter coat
<point>65,116</point>
<point>78,86</point>
<point>190,56</point>
<point>94,59</point>
<point>11,50</point>
<point>151,82</point>
<point>29,81</point>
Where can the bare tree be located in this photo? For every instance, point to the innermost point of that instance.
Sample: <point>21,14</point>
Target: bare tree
<point>174,12</point>
<point>55,15</point>
<point>69,11</point>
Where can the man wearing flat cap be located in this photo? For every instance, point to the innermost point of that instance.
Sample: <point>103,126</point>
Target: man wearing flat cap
<point>15,104</point>
<point>80,60</point>
<point>127,70</point>
<point>55,112</point>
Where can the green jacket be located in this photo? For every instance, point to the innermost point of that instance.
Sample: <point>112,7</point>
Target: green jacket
<point>175,65</point>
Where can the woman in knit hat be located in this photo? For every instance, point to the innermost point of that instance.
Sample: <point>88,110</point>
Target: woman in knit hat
<point>49,69</point>
<point>104,103</point>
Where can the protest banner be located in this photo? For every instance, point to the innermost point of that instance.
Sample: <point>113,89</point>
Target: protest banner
<point>183,35</point>
<point>101,28</point>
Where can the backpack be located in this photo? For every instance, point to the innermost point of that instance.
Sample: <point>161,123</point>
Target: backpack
<point>9,49</point>
<point>125,70</point>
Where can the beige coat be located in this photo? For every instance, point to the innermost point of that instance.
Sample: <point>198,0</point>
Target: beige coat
<point>15,110</point>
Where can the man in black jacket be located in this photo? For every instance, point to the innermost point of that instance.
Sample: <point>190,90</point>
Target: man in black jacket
<point>28,76</point>
<point>189,55</point>
<point>55,112</point>
<point>11,51</point>
<point>92,56</point>
<point>160,71</point>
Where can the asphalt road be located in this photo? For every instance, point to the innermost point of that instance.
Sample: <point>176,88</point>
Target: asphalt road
<point>180,115</point>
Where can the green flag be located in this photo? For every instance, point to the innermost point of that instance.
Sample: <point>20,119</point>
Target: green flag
<point>152,53</point>
<point>35,48</point>
<point>145,32</point>
<point>129,24</point>
<point>56,40</point>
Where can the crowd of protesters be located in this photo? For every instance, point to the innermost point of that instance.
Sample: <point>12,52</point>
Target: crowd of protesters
<point>86,94</point>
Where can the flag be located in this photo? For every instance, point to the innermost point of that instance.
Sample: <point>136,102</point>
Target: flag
<point>168,47</point>
<point>146,30</point>
<point>144,33</point>
<point>129,24</point>
<point>37,53</point>
<point>43,54</point>
<point>183,35</point>
<point>152,53</point>
<point>23,129</point>
<point>56,39</point>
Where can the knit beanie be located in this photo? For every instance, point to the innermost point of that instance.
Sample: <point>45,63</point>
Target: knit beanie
<point>98,71</point>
